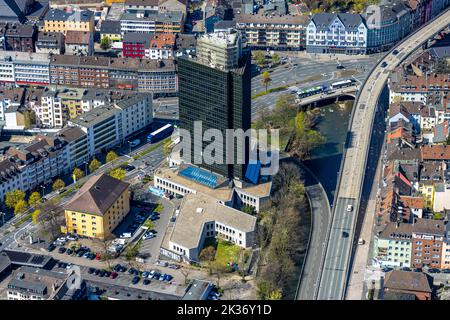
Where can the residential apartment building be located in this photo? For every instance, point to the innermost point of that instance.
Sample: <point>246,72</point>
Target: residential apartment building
<point>169,22</point>
<point>10,177</point>
<point>419,285</point>
<point>98,207</point>
<point>77,144</point>
<point>57,20</point>
<point>24,68</point>
<point>202,217</point>
<point>27,283</point>
<point>275,32</point>
<point>134,45</point>
<point>136,113</point>
<point>102,125</point>
<point>51,113</point>
<point>387,24</point>
<point>393,246</point>
<point>39,161</point>
<point>111,30</point>
<point>160,46</point>
<point>10,98</point>
<point>79,43</point>
<point>427,242</point>
<point>50,42</point>
<point>20,37</point>
<point>344,33</point>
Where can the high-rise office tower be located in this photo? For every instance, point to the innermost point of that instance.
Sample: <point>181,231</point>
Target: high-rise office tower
<point>215,88</point>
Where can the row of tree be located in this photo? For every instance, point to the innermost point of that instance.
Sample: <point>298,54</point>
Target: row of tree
<point>279,233</point>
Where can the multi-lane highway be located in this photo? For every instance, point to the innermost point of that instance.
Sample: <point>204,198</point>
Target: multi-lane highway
<point>341,235</point>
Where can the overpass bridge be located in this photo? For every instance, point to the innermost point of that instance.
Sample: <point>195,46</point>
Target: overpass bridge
<point>341,234</point>
<point>331,95</point>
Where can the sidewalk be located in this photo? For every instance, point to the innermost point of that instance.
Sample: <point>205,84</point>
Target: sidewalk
<point>359,275</point>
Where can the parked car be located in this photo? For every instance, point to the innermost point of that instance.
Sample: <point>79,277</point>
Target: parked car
<point>145,274</point>
<point>107,273</point>
<point>51,247</point>
<point>61,239</point>
<point>69,252</point>
<point>86,255</point>
<point>97,272</point>
<point>72,237</point>
<point>62,265</point>
<point>340,66</point>
<point>146,281</point>
<point>80,253</point>
<point>395,52</point>
<point>125,235</point>
<point>156,276</point>
<point>62,250</point>
<point>131,270</point>
<point>148,235</point>
<point>167,277</point>
<point>91,270</point>
<point>102,273</point>
<point>345,234</point>
<point>117,267</point>
<point>384,64</point>
<point>69,265</point>
<point>114,275</point>
<point>349,208</point>
<point>135,280</point>
<point>162,277</point>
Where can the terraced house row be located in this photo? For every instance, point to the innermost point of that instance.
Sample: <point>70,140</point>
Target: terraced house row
<point>39,69</point>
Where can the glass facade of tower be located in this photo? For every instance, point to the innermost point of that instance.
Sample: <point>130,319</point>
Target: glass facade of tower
<point>221,100</point>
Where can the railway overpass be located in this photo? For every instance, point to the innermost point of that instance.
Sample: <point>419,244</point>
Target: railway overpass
<point>341,235</point>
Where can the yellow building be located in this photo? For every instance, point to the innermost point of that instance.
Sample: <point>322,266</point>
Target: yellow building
<point>426,190</point>
<point>72,101</point>
<point>110,2</point>
<point>57,20</point>
<point>111,30</point>
<point>98,207</point>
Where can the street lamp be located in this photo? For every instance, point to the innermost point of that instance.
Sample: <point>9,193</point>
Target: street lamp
<point>129,143</point>
<point>85,168</point>
<point>43,189</point>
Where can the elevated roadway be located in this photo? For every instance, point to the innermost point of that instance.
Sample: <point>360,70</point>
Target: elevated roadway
<point>341,235</point>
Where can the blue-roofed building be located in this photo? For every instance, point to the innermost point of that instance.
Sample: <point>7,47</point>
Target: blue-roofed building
<point>200,176</point>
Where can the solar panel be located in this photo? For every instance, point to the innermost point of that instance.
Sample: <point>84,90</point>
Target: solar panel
<point>37,260</point>
<point>16,256</point>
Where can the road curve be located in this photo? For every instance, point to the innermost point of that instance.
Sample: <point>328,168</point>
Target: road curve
<point>342,232</point>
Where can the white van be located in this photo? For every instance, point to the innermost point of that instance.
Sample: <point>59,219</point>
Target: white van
<point>361,241</point>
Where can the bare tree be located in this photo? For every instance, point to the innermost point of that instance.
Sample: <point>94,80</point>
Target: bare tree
<point>185,272</point>
<point>51,217</point>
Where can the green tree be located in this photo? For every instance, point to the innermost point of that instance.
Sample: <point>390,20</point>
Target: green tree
<point>94,165</point>
<point>105,43</point>
<point>149,224</point>
<point>20,207</point>
<point>248,209</point>
<point>78,173</point>
<point>35,216</point>
<point>58,184</point>
<point>168,147</point>
<point>275,295</point>
<point>118,173</point>
<point>34,199</point>
<point>111,156</point>
<point>275,59</point>
<point>266,80</point>
<point>260,58</point>
<point>13,197</point>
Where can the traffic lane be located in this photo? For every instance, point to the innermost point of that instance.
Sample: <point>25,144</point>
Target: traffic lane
<point>321,218</point>
<point>335,253</point>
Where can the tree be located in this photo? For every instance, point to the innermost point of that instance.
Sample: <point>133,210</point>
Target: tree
<point>106,255</point>
<point>51,217</point>
<point>13,197</point>
<point>105,43</point>
<point>260,58</point>
<point>266,80</point>
<point>35,216</point>
<point>168,147</point>
<point>20,207</point>
<point>78,173</point>
<point>94,165</point>
<point>149,224</point>
<point>34,199</point>
<point>111,156</point>
<point>275,59</point>
<point>185,272</point>
<point>275,295</point>
<point>118,173</point>
<point>207,254</point>
<point>248,209</point>
<point>58,184</point>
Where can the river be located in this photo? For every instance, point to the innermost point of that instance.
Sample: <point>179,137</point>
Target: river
<point>326,159</point>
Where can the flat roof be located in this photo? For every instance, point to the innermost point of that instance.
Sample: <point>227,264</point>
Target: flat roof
<point>222,193</point>
<point>197,209</point>
<point>95,116</point>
